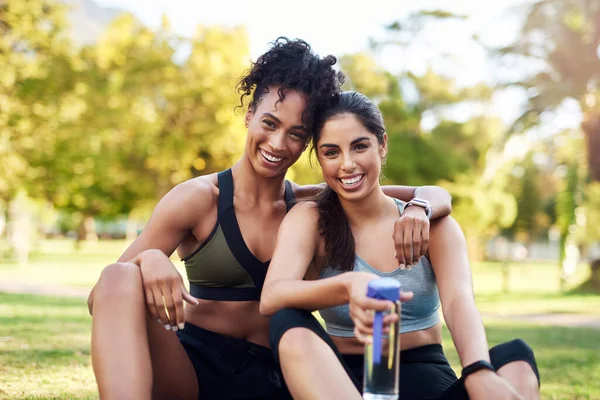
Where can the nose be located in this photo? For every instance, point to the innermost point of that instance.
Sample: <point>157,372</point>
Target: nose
<point>276,141</point>
<point>348,163</point>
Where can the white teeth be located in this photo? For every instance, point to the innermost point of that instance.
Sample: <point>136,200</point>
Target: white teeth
<point>351,181</point>
<point>270,157</point>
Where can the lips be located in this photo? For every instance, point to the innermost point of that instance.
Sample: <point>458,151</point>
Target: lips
<point>351,181</point>
<point>270,157</point>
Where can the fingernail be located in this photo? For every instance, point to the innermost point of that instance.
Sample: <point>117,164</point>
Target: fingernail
<point>168,327</point>
<point>181,325</point>
<point>402,266</point>
<point>160,321</point>
<point>175,328</point>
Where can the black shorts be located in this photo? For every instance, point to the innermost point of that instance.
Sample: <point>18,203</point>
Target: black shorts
<point>424,371</point>
<point>228,368</point>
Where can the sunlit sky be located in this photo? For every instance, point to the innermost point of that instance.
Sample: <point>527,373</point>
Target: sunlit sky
<point>342,27</point>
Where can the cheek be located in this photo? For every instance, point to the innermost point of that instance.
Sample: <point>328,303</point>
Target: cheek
<point>329,169</point>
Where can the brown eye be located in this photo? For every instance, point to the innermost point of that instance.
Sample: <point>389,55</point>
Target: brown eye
<point>268,123</point>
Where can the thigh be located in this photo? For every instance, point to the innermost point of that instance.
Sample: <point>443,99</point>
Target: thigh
<point>425,380</point>
<point>173,374</point>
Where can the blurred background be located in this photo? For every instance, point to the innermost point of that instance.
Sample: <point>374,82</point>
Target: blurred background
<point>105,105</point>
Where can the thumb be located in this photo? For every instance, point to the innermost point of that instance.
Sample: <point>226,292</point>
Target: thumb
<point>406,296</point>
<point>188,297</point>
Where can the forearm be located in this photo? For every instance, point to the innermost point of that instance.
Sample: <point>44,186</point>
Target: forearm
<point>307,295</point>
<point>466,327</point>
<point>439,198</point>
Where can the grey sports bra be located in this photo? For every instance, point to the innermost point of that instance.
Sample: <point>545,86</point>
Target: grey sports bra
<point>419,313</point>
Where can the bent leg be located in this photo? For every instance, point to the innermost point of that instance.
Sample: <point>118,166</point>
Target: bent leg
<point>311,365</point>
<point>515,362</point>
<point>133,356</point>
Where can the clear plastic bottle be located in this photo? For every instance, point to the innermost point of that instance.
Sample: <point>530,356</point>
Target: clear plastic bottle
<point>382,365</point>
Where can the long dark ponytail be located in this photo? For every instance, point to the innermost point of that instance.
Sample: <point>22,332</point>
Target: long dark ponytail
<point>333,223</point>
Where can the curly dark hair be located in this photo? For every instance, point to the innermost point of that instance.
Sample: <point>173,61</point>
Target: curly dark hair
<point>291,64</point>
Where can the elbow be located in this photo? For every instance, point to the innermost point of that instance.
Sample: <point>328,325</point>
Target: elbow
<point>268,305</point>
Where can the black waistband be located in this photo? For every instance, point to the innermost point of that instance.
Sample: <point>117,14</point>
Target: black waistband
<point>431,353</point>
<point>224,293</point>
<point>218,340</point>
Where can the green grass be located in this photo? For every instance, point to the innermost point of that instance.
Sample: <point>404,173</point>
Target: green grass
<point>45,348</point>
<point>568,358</point>
<point>45,341</point>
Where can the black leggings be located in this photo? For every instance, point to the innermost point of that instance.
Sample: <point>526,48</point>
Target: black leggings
<point>425,371</point>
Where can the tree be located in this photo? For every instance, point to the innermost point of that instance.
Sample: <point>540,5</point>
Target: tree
<point>561,40</point>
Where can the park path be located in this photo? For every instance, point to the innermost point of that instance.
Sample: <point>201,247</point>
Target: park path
<point>566,320</point>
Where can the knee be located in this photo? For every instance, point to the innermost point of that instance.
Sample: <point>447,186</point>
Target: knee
<point>296,343</point>
<point>517,359</point>
<point>291,329</point>
<point>118,281</point>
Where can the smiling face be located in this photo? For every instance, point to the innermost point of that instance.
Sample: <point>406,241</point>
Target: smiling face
<point>350,156</point>
<point>276,136</point>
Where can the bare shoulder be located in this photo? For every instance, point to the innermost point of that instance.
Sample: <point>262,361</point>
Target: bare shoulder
<point>191,199</point>
<point>304,209</point>
<point>306,191</point>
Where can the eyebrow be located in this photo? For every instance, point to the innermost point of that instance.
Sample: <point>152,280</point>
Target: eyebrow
<point>279,121</point>
<point>360,139</point>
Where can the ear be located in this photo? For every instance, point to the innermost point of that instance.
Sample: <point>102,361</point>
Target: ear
<point>384,146</point>
<point>248,117</point>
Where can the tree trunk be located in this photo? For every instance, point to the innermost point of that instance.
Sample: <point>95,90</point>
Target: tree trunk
<point>595,277</point>
<point>87,229</point>
<point>591,128</point>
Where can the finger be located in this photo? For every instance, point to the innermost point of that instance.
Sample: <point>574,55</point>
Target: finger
<point>367,303</point>
<point>363,316</point>
<point>362,328</point>
<point>406,296</point>
<point>425,239</point>
<point>398,240</point>
<point>389,319</point>
<point>159,305</point>
<point>170,306</point>
<point>188,297</point>
<point>416,235</point>
<point>178,303</point>
<point>362,338</point>
<point>407,245</point>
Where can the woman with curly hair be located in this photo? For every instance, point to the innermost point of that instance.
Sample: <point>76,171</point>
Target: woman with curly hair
<point>144,343</point>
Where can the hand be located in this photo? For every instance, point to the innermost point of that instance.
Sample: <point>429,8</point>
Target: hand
<point>362,307</point>
<point>411,236</point>
<point>164,288</point>
<point>487,385</point>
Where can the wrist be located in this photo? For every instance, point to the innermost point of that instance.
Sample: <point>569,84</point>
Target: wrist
<point>423,204</point>
<point>477,370</point>
<point>477,377</point>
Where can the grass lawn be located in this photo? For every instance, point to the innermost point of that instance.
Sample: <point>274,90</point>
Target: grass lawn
<point>45,341</point>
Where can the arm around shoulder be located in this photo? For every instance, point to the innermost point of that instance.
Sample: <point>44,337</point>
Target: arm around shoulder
<point>439,198</point>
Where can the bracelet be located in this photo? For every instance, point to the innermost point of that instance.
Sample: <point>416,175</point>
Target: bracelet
<point>476,366</point>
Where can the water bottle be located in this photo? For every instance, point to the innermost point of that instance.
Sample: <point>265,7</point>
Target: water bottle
<point>382,366</point>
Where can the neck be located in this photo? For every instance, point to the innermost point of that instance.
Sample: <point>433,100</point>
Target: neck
<point>367,210</point>
<point>255,187</point>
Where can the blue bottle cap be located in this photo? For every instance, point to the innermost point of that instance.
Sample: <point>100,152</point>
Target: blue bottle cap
<point>384,289</point>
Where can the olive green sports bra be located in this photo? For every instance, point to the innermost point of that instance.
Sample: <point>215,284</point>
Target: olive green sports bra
<point>223,268</point>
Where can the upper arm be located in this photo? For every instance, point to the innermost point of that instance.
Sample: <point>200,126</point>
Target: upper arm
<point>450,261</point>
<point>307,191</point>
<point>175,215</point>
<point>404,193</point>
<point>297,243</point>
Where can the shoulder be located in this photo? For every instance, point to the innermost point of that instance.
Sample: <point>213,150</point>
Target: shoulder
<point>304,209</point>
<point>190,199</point>
<point>306,191</point>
